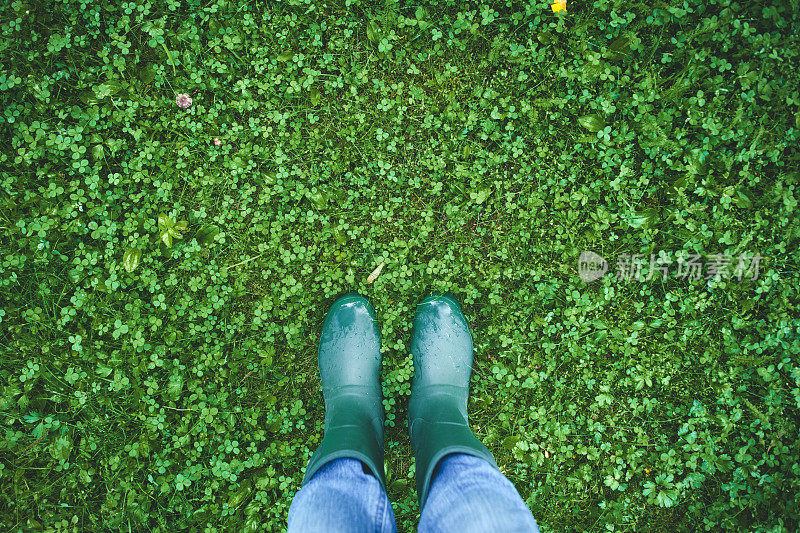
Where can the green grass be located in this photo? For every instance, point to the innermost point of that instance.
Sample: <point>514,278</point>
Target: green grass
<point>162,296</point>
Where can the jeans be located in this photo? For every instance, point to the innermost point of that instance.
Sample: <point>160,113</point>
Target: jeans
<point>467,495</point>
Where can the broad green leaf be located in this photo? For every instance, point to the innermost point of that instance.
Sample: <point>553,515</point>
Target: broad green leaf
<point>267,355</point>
<point>696,161</point>
<point>206,234</point>
<point>274,425</point>
<point>178,228</point>
<point>318,198</point>
<point>241,494</point>
<point>545,37</point>
<point>398,484</point>
<point>104,90</point>
<point>620,44</point>
<point>166,237</point>
<point>620,47</point>
<point>340,236</point>
<point>147,73</point>
<point>285,56</point>
<point>644,219</point>
<point>164,222</point>
<point>591,70</point>
<point>387,470</point>
<point>593,122</point>
<point>174,386</point>
<point>61,448</point>
<point>742,200</point>
<point>103,370</point>
<point>480,196</point>
<point>253,523</point>
<point>373,31</point>
<point>88,97</point>
<point>131,258</point>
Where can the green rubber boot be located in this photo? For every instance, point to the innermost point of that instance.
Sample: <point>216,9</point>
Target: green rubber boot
<point>441,344</point>
<point>349,359</point>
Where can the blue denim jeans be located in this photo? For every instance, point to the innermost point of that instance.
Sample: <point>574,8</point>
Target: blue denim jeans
<point>467,495</point>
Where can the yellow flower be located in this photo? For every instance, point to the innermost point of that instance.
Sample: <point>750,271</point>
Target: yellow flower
<point>559,5</point>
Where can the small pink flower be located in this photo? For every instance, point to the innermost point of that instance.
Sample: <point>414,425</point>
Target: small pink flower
<point>217,141</point>
<point>183,100</point>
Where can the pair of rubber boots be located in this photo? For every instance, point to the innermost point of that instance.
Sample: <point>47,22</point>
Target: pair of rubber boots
<point>350,364</point>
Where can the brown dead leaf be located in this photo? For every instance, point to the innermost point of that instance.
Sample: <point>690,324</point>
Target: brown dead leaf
<point>375,273</point>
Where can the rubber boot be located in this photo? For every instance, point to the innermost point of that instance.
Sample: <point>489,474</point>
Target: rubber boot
<point>349,359</point>
<point>441,344</point>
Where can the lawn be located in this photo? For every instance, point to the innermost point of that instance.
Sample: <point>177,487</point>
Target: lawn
<point>187,185</point>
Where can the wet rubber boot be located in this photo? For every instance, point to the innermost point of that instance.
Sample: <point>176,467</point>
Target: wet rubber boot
<point>349,359</point>
<point>441,344</point>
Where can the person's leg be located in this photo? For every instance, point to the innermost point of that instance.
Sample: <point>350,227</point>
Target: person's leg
<point>459,485</point>
<point>344,483</point>
<point>468,495</point>
<point>441,344</point>
<point>341,497</point>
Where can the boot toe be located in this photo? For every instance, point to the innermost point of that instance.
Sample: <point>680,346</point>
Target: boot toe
<point>349,348</point>
<point>442,301</point>
<point>442,310</point>
<point>441,343</point>
<point>353,303</point>
<point>349,312</point>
